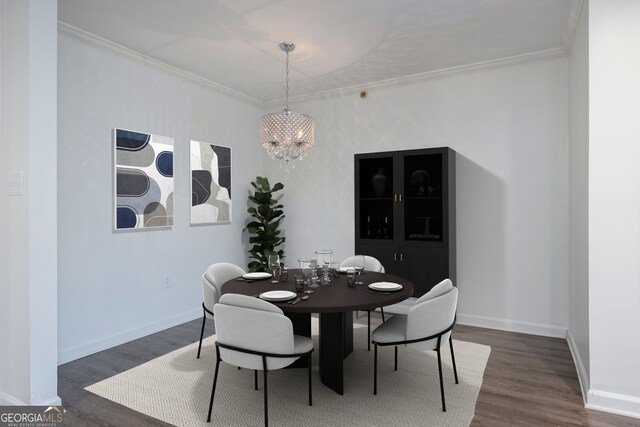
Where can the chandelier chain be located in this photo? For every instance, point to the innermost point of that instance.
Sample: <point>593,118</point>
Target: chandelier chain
<point>287,81</point>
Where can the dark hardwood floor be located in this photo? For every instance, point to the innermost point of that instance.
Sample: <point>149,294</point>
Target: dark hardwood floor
<point>529,380</point>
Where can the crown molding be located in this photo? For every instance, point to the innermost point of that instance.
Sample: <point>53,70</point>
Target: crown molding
<point>88,38</point>
<point>460,69</point>
<point>67,30</point>
<point>572,23</point>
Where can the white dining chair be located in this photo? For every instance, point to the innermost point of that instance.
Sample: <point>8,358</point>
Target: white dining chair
<point>212,281</point>
<point>427,327</point>
<point>255,334</point>
<point>370,264</point>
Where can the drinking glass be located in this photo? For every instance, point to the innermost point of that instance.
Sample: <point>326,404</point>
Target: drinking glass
<point>274,265</point>
<point>358,265</point>
<point>325,257</point>
<point>308,269</point>
<point>351,278</point>
<point>299,278</point>
<point>284,273</point>
<point>335,269</point>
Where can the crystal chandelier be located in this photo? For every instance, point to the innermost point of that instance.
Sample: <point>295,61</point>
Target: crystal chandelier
<point>286,135</point>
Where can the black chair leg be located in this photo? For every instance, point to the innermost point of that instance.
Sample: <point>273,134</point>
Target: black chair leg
<point>368,330</point>
<point>266,403</point>
<point>375,369</point>
<point>204,319</point>
<point>444,408</point>
<point>310,397</point>
<point>255,379</point>
<point>213,389</point>
<point>382,311</point>
<point>453,360</point>
<point>395,368</point>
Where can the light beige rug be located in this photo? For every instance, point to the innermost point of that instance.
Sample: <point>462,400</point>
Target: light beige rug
<point>176,387</point>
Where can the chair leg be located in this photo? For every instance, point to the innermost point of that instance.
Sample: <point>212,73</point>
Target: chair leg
<point>213,388</point>
<point>204,319</point>
<point>310,388</point>
<point>255,379</point>
<point>382,311</point>
<point>266,403</point>
<point>395,368</point>
<point>375,369</point>
<point>453,360</point>
<point>444,408</point>
<point>368,330</point>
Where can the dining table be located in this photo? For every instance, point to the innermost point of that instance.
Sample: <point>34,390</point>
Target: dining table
<point>334,303</point>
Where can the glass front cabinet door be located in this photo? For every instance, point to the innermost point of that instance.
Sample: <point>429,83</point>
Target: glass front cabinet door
<point>405,213</point>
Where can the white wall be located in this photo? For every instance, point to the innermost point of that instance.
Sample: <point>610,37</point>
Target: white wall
<point>110,283</point>
<point>28,258</point>
<point>578,336</point>
<point>509,126</point>
<point>614,205</point>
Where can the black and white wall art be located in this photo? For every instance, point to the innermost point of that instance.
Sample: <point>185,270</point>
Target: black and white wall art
<point>210,183</point>
<point>143,180</point>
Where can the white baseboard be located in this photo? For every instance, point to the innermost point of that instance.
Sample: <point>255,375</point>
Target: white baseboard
<point>615,403</point>
<point>530,328</point>
<point>8,400</point>
<point>54,401</point>
<point>583,378</point>
<point>90,347</point>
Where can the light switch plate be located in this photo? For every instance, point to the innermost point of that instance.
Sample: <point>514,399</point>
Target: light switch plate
<point>16,183</point>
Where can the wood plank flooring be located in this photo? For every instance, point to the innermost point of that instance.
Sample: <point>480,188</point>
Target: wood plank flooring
<point>529,380</point>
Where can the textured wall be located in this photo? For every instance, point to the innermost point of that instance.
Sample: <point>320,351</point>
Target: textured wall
<point>579,197</point>
<point>614,205</point>
<point>111,283</point>
<point>509,126</point>
<point>28,261</point>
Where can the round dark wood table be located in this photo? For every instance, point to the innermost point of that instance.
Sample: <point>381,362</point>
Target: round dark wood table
<point>335,304</point>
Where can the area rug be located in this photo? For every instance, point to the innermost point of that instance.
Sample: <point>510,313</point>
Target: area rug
<point>176,387</point>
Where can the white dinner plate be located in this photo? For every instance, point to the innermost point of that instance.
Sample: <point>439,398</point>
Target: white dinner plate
<point>259,275</point>
<point>346,269</point>
<point>385,286</point>
<point>277,295</point>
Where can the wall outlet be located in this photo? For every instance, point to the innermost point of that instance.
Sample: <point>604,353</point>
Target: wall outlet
<point>16,184</point>
<point>166,281</point>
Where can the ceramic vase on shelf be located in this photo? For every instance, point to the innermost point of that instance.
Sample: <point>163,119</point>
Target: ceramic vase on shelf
<point>379,183</point>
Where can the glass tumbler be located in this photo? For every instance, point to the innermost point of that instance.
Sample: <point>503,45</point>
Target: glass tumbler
<point>351,278</point>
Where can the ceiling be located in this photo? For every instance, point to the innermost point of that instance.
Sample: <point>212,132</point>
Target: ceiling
<point>339,43</point>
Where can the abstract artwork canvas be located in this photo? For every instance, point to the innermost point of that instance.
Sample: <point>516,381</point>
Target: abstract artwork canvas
<point>210,183</point>
<point>143,180</point>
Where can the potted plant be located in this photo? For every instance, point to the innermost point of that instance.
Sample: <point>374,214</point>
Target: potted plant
<point>264,227</point>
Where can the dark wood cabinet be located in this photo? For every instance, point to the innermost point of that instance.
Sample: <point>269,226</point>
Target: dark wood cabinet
<point>405,213</point>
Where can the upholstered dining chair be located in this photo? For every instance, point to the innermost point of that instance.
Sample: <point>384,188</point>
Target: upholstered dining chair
<point>212,281</point>
<point>427,327</point>
<point>370,264</point>
<point>255,334</point>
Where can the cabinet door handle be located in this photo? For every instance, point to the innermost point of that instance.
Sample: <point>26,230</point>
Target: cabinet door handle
<point>400,197</point>
<point>395,256</point>
<point>395,197</point>
<point>401,256</point>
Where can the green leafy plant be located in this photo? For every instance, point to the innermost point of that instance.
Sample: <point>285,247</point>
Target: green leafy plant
<point>264,226</point>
